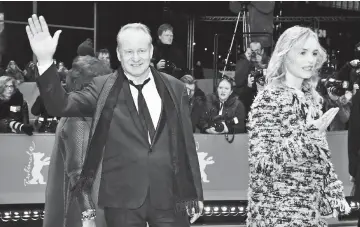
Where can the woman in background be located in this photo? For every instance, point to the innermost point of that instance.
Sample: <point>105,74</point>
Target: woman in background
<point>223,112</point>
<point>68,155</point>
<point>292,180</point>
<point>14,113</point>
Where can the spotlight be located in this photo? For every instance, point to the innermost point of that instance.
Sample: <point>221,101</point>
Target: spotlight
<point>207,210</point>
<point>225,211</point>
<point>6,216</point>
<point>35,215</point>
<point>242,210</point>
<point>216,211</point>
<point>15,216</point>
<point>233,211</point>
<point>25,216</point>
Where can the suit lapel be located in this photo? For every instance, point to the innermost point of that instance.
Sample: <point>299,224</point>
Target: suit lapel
<point>168,101</point>
<point>101,101</point>
<point>160,86</point>
<point>167,87</point>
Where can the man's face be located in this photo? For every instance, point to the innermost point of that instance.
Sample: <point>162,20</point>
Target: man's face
<point>190,89</point>
<point>167,37</point>
<point>105,57</point>
<point>134,52</point>
<point>255,50</point>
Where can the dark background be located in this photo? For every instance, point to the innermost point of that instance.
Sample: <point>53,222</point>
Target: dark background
<point>342,36</point>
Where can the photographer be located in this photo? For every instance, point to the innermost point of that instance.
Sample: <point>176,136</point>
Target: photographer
<point>249,74</point>
<point>224,112</point>
<point>167,57</point>
<point>336,93</point>
<point>44,123</point>
<point>196,99</point>
<point>29,72</point>
<point>351,70</point>
<point>14,113</point>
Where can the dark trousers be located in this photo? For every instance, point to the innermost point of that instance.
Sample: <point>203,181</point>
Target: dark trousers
<point>119,217</point>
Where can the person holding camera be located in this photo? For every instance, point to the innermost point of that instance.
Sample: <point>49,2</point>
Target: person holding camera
<point>224,112</point>
<point>196,99</point>
<point>249,74</point>
<point>336,94</point>
<point>167,57</point>
<point>14,113</point>
<point>351,71</point>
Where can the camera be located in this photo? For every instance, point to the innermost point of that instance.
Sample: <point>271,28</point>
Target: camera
<point>46,125</point>
<point>169,66</point>
<point>253,56</point>
<point>258,75</point>
<point>336,87</point>
<point>217,123</point>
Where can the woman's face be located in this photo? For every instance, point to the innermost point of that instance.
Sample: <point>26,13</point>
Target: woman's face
<point>224,90</point>
<point>9,89</point>
<point>301,59</point>
<point>12,65</point>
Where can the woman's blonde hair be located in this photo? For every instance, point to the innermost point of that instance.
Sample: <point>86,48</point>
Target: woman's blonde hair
<point>275,72</point>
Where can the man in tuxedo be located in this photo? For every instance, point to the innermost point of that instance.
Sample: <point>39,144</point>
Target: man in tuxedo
<point>141,132</point>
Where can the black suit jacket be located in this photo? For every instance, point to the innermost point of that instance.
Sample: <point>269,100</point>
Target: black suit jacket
<point>354,144</point>
<point>90,101</point>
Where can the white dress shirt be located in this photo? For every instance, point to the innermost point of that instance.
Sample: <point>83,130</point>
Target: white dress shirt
<point>150,92</point>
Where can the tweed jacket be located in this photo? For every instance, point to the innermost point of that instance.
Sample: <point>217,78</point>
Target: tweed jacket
<point>289,162</point>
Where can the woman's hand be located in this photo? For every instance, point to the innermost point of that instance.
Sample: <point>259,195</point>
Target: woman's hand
<point>325,120</point>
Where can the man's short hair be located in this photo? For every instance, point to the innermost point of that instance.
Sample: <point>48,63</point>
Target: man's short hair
<point>134,26</point>
<point>165,27</point>
<point>103,51</point>
<point>188,79</point>
<point>256,42</point>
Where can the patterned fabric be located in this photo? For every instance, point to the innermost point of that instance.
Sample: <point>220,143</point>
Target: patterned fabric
<point>292,180</point>
<point>66,162</point>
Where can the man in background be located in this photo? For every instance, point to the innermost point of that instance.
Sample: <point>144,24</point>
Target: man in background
<point>167,57</point>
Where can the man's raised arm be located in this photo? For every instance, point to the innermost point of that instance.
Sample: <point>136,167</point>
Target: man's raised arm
<point>57,101</point>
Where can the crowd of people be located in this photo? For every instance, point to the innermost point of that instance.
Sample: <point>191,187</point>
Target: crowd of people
<point>14,117</point>
<point>221,112</point>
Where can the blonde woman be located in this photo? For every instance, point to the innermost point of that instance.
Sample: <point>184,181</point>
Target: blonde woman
<point>292,180</point>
